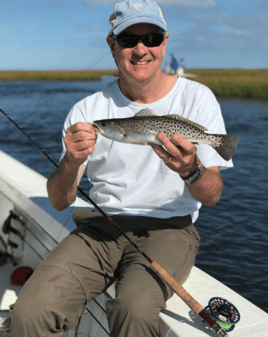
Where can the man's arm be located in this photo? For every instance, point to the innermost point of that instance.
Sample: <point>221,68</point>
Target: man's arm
<point>180,156</point>
<point>62,184</point>
<point>209,187</point>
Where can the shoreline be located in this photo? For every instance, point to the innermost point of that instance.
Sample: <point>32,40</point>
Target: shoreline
<point>225,83</point>
<point>54,75</point>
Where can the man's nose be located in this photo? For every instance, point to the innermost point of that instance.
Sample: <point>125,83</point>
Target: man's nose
<point>140,48</point>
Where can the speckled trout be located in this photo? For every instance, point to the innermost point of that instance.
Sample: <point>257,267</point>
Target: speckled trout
<point>143,127</point>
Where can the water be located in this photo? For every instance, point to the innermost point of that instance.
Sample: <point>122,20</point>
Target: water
<point>234,232</point>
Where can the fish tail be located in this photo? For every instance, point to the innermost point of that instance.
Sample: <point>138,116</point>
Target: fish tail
<point>226,147</point>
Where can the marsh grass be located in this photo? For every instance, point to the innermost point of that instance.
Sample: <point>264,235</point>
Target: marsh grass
<point>236,83</point>
<point>233,83</point>
<point>55,75</point>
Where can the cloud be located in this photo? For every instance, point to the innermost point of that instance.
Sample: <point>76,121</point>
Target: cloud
<point>179,3</point>
<point>252,25</point>
<point>228,30</point>
<point>226,34</point>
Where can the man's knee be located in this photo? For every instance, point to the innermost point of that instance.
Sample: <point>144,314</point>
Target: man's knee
<point>134,316</point>
<point>139,308</point>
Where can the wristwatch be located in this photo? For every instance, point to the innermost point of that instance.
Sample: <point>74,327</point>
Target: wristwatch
<point>193,178</point>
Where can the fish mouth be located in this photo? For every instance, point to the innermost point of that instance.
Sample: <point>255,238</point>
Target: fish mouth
<point>96,127</point>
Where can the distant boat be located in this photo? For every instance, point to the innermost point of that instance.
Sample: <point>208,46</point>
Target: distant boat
<point>36,228</point>
<point>176,68</point>
<point>181,73</point>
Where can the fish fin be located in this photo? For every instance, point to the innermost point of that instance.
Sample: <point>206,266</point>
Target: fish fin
<point>126,136</point>
<point>180,118</point>
<point>145,113</point>
<point>227,147</point>
<point>134,143</point>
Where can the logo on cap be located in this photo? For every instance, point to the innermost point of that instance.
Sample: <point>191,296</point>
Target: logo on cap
<point>137,6</point>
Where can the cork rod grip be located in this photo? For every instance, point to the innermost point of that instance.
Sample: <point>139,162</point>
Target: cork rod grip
<point>178,289</point>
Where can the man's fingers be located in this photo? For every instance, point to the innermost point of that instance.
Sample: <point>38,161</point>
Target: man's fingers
<point>171,148</point>
<point>177,146</point>
<point>82,135</point>
<point>80,126</point>
<point>161,152</point>
<point>80,140</point>
<point>82,145</point>
<point>177,153</point>
<point>183,144</point>
<point>80,132</point>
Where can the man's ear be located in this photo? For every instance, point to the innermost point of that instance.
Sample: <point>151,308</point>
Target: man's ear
<point>111,43</point>
<point>166,41</point>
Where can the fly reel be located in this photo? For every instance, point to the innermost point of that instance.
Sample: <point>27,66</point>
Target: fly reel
<point>223,312</point>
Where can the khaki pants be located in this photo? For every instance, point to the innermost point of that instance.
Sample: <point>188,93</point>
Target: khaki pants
<point>86,262</point>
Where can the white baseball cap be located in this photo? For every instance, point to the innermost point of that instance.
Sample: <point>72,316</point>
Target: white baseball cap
<point>130,12</point>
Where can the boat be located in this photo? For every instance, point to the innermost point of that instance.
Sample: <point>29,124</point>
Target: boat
<point>180,72</point>
<point>36,228</point>
<point>177,69</point>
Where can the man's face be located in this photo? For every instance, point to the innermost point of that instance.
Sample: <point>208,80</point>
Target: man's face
<point>140,62</point>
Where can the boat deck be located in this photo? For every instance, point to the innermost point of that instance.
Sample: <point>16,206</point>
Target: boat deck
<point>44,227</point>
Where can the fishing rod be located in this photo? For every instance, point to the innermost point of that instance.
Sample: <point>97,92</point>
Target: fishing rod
<point>220,315</point>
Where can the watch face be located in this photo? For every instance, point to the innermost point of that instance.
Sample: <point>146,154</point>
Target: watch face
<point>191,180</point>
<point>195,178</point>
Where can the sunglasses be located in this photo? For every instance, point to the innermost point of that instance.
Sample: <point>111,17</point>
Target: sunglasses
<point>131,40</point>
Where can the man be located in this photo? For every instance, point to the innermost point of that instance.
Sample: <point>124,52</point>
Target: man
<point>153,192</point>
<point>173,65</point>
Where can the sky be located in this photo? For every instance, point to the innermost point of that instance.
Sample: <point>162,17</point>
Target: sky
<point>71,34</point>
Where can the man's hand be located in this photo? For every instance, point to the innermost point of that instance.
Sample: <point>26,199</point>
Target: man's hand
<point>179,154</point>
<point>62,184</point>
<point>80,142</point>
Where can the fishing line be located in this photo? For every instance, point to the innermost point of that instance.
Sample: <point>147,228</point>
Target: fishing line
<point>32,141</point>
<point>168,278</point>
<point>92,65</point>
<point>173,326</point>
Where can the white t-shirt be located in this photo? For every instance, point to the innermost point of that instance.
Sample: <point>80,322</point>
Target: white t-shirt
<point>131,179</point>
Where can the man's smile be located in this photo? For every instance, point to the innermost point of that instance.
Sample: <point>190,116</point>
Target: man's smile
<point>139,62</point>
